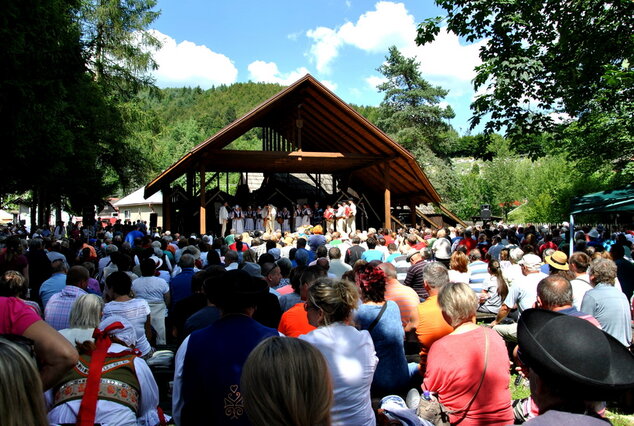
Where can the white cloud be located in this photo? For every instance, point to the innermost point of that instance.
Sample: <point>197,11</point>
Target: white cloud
<point>189,64</point>
<point>325,48</point>
<point>374,31</point>
<point>374,81</point>
<point>446,57</point>
<point>268,72</point>
<point>329,84</point>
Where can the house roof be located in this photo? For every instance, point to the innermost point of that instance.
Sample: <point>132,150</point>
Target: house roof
<point>310,130</point>
<point>137,198</point>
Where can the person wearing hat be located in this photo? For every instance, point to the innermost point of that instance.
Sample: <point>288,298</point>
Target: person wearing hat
<point>570,362</point>
<point>522,296</point>
<point>110,383</point>
<point>557,261</point>
<point>209,363</point>
<point>414,277</point>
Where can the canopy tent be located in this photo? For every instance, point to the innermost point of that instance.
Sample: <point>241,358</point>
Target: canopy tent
<point>613,201</point>
<point>604,202</point>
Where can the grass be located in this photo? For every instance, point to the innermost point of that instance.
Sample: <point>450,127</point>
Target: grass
<point>617,419</point>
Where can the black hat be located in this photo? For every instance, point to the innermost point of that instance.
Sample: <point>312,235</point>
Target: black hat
<point>238,289</point>
<point>573,353</point>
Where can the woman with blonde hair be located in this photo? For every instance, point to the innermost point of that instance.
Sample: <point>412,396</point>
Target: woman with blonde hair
<point>85,316</point>
<point>294,389</point>
<point>468,369</point>
<point>458,264</point>
<point>349,352</point>
<point>21,394</point>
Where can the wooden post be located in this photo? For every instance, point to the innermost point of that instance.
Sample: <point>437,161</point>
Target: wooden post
<point>387,196</point>
<point>167,208</point>
<point>414,218</point>
<point>203,204</point>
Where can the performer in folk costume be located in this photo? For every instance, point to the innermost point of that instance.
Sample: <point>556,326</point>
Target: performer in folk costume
<point>306,215</point>
<point>351,217</point>
<point>223,218</point>
<point>286,218</point>
<point>297,215</point>
<point>329,216</point>
<point>269,219</point>
<point>340,217</point>
<point>318,215</point>
<point>259,219</point>
<point>277,225</point>
<point>249,219</point>
<point>237,220</point>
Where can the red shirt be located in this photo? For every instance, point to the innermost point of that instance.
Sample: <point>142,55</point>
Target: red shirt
<point>294,322</point>
<point>454,370</point>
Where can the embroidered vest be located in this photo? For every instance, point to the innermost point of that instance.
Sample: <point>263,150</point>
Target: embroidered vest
<point>119,382</point>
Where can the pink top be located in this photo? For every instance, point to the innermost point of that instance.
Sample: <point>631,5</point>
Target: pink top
<point>15,316</point>
<point>454,369</point>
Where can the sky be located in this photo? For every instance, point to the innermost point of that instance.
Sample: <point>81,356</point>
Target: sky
<point>340,42</point>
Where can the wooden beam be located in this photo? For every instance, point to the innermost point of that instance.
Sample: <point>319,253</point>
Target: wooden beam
<point>203,204</point>
<point>387,196</point>
<point>167,208</point>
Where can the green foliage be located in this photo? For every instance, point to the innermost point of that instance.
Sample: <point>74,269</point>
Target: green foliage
<point>410,111</point>
<point>539,56</point>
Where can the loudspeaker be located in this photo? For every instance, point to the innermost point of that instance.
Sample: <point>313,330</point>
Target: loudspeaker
<point>153,220</point>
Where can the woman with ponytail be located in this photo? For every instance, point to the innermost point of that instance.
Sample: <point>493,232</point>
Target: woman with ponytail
<point>494,291</point>
<point>349,352</point>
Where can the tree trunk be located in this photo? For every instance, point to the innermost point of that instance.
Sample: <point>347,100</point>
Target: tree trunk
<point>34,196</point>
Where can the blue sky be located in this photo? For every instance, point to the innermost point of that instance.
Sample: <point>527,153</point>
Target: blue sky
<point>340,42</point>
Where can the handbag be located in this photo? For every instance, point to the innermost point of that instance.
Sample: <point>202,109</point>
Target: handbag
<point>432,410</point>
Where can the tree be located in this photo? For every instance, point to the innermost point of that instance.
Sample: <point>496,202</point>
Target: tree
<point>542,57</point>
<point>411,110</point>
<point>117,44</point>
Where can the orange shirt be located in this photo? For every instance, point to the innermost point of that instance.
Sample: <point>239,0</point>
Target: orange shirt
<point>294,322</point>
<point>431,327</point>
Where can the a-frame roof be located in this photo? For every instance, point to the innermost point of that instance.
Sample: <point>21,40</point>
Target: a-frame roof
<point>310,130</point>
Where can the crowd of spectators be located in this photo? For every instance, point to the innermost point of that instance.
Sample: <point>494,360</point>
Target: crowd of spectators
<point>449,312</point>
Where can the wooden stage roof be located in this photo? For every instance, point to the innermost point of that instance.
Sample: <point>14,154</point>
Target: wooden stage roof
<point>308,129</point>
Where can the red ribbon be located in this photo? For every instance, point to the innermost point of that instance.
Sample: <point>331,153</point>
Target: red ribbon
<point>88,407</point>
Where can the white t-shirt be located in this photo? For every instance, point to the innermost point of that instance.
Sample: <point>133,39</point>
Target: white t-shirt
<point>351,361</point>
<point>151,289</point>
<point>136,311</point>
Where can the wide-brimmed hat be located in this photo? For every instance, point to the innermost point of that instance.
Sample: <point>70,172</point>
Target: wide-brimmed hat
<point>411,254</point>
<point>238,288</point>
<point>530,260</point>
<point>558,260</point>
<point>574,354</point>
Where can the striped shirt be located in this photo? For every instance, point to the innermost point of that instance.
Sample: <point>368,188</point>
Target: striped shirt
<point>57,311</point>
<point>405,297</point>
<point>478,274</point>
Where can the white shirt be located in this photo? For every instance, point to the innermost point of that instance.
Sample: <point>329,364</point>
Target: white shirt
<point>351,362</point>
<point>580,286</point>
<point>136,311</point>
<point>113,413</point>
<point>151,289</point>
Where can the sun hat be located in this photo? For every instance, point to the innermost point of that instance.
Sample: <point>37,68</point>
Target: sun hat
<point>530,260</point>
<point>574,353</point>
<point>411,254</point>
<point>558,260</point>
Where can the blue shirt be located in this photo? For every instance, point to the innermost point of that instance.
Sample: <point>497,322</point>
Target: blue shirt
<point>372,254</point>
<point>391,374</point>
<point>181,285</point>
<point>53,285</point>
<point>611,308</point>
